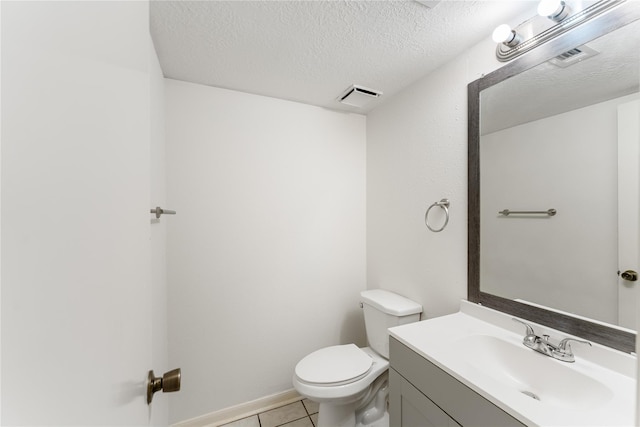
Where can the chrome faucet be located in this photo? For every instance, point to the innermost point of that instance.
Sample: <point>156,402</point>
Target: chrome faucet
<point>561,351</point>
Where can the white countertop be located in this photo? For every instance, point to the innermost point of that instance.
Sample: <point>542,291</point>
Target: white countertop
<point>482,348</point>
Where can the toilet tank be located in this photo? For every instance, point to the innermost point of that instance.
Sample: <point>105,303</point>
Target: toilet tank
<point>383,310</point>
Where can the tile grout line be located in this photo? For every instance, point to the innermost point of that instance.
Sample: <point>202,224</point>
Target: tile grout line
<point>306,409</point>
<point>293,421</point>
<point>301,401</point>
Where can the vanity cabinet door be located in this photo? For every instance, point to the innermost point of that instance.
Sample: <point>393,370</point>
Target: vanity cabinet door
<point>410,408</point>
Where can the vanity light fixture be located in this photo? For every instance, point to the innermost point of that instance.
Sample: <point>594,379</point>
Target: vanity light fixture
<point>537,31</point>
<point>556,10</point>
<point>505,35</point>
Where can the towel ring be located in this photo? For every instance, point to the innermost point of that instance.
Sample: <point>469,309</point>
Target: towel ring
<point>444,204</point>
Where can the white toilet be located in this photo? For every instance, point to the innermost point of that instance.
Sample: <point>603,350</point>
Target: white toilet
<point>351,383</point>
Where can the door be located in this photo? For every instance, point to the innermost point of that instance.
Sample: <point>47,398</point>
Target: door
<point>628,211</point>
<point>76,328</point>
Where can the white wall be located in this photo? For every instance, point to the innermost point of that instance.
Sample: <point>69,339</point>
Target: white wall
<point>267,250</point>
<point>417,155</point>
<point>527,257</point>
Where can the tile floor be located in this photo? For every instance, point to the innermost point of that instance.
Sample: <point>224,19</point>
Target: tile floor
<point>303,413</point>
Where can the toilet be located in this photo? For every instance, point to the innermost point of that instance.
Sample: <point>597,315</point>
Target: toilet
<point>351,383</point>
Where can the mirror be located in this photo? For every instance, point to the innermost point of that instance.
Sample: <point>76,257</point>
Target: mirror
<point>546,221</point>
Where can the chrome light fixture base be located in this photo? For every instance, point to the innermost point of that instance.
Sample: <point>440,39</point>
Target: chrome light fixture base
<point>506,53</point>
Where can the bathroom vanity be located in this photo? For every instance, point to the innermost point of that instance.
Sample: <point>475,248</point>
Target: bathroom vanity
<point>471,369</point>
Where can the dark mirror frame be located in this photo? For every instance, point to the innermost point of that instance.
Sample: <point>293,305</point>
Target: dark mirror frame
<point>619,339</point>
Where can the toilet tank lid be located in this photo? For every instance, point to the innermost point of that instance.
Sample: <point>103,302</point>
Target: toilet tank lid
<point>390,303</point>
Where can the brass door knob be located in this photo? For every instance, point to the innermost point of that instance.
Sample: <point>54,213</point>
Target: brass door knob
<point>629,275</point>
<point>169,382</point>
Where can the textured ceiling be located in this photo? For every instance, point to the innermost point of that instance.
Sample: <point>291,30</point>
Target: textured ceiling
<point>311,51</point>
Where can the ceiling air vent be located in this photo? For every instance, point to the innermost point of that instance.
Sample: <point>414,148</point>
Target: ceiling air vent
<point>358,96</point>
<point>573,56</point>
<point>429,4</point>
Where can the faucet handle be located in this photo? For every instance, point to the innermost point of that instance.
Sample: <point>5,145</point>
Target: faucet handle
<point>530,330</point>
<point>563,351</point>
<point>564,344</point>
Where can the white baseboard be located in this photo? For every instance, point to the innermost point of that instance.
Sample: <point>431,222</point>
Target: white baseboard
<point>243,410</point>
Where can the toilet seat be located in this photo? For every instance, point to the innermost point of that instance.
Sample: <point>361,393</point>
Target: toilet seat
<point>333,366</point>
<point>347,391</point>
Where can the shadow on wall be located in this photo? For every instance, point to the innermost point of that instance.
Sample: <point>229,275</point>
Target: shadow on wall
<point>353,330</point>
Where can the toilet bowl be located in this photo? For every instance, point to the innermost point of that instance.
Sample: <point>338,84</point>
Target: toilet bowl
<point>351,383</point>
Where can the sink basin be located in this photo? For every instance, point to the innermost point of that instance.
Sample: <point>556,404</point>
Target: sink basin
<point>549,381</point>
<point>482,348</point>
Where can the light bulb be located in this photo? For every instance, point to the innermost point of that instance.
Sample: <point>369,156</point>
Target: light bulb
<point>505,35</point>
<point>502,34</point>
<point>555,10</point>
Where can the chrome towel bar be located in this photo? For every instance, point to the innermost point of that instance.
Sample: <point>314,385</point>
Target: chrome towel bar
<point>507,212</point>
